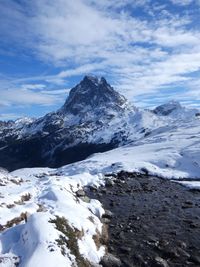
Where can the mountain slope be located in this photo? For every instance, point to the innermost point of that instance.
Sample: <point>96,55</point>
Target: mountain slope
<point>43,220</point>
<point>85,124</point>
<point>94,118</point>
<point>48,197</point>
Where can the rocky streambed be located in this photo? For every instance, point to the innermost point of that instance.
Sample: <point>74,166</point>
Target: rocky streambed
<point>151,221</point>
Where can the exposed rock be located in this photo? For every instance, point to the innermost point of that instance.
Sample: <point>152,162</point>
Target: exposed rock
<point>110,260</point>
<point>95,265</point>
<point>159,262</point>
<point>108,214</point>
<point>125,249</point>
<point>80,193</point>
<point>105,220</point>
<point>109,182</point>
<point>85,199</point>
<point>195,259</point>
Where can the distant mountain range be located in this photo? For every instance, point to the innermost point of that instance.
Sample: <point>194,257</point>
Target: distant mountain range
<point>94,118</point>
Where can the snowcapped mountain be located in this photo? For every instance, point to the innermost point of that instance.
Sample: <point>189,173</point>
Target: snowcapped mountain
<point>168,108</point>
<point>94,118</point>
<point>93,95</point>
<point>88,122</point>
<point>45,215</point>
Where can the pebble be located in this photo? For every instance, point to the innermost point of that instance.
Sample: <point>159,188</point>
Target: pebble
<point>80,193</point>
<point>160,262</point>
<point>195,259</point>
<point>109,260</point>
<point>125,249</point>
<point>108,214</point>
<point>109,182</point>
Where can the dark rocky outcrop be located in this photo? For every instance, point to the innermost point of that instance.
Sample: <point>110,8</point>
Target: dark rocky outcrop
<point>154,222</point>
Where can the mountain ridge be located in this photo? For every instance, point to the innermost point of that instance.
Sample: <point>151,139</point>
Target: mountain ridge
<point>94,118</point>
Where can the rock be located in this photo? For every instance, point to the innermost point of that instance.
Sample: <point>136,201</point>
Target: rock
<point>195,259</point>
<point>171,253</point>
<point>110,260</point>
<point>108,214</point>
<point>112,203</point>
<point>182,244</point>
<point>92,188</point>
<point>85,199</point>
<point>121,235</point>
<point>160,262</point>
<point>187,205</point>
<point>125,249</point>
<point>135,218</point>
<point>183,253</point>
<point>188,202</point>
<point>127,263</point>
<point>103,190</point>
<point>109,182</point>
<point>80,193</point>
<point>144,170</point>
<point>140,260</point>
<point>105,220</point>
<point>194,225</point>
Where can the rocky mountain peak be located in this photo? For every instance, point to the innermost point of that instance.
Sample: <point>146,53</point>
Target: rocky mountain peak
<point>92,93</point>
<point>167,108</point>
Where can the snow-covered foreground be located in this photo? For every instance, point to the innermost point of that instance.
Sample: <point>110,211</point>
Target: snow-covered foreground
<point>54,226</point>
<point>42,219</point>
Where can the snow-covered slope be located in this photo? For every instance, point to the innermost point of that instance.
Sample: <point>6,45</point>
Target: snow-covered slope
<point>44,221</point>
<point>40,210</point>
<point>172,154</point>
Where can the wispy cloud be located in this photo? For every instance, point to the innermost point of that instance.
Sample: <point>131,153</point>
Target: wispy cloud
<point>10,116</point>
<point>182,2</point>
<point>141,54</point>
<point>14,94</point>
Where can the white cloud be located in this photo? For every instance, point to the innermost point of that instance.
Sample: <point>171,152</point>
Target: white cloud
<point>21,97</point>
<point>10,116</point>
<point>182,2</point>
<point>103,37</point>
<point>33,86</point>
<point>15,95</point>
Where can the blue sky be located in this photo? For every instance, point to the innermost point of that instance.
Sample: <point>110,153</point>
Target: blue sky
<point>148,50</point>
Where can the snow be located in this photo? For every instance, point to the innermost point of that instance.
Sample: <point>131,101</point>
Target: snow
<point>35,241</point>
<point>190,184</point>
<point>168,151</point>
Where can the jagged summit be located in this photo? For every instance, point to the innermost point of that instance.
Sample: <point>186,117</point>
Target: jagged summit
<point>92,93</point>
<point>92,78</point>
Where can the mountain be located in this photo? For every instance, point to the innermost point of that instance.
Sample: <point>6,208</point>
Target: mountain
<point>167,108</point>
<point>47,215</point>
<point>175,110</point>
<point>94,118</point>
<point>93,94</point>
